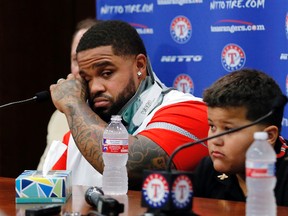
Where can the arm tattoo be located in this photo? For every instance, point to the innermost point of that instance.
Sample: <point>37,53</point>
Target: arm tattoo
<point>144,154</point>
<point>87,130</point>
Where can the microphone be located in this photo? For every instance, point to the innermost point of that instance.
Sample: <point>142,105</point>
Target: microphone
<point>39,97</point>
<point>105,205</point>
<point>170,192</point>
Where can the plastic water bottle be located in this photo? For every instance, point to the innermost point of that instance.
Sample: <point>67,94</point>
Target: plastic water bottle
<point>115,156</point>
<point>260,177</point>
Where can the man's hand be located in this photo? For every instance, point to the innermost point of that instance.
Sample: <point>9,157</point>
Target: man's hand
<point>67,92</point>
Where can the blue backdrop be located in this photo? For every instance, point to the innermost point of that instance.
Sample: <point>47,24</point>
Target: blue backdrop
<point>191,43</point>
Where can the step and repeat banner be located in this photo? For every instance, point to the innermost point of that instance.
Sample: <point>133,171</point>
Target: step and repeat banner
<point>191,43</point>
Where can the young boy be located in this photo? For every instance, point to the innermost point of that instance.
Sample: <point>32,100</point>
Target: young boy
<point>234,100</point>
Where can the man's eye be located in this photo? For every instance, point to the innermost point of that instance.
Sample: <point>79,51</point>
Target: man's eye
<point>87,79</point>
<point>106,74</point>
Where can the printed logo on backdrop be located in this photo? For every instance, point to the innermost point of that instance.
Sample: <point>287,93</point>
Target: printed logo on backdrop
<point>126,9</point>
<point>181,29</point>
<point>142,29</point>
<point>284,56</point>
<point>184,83</point>
<point>181,58</point>
<point>285,120</point>
<point>178,2</point>
<point>233,26</point>
<point>236,4</point>
<point>233,57</point>
<point>286,25</point>
<point>287,85</point>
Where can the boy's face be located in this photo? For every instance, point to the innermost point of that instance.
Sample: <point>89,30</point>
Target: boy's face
<point>228,151</point>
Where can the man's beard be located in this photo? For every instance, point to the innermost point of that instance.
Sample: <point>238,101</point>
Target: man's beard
<point>123,97</point>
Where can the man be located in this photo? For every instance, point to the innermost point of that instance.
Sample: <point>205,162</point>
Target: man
<point>116,78</point>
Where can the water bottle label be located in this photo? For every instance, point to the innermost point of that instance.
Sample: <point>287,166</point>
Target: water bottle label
<point>115,145</point>
<point>260,169</point>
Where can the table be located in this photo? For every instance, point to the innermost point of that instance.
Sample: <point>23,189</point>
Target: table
<point>77,203</point>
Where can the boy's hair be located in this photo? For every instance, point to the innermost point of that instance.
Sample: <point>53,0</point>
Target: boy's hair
<point>123,38</point>
<point>248,88</point>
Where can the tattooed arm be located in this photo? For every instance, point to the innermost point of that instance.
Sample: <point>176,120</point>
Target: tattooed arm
<point>87,128</point>
<point>143,154</point>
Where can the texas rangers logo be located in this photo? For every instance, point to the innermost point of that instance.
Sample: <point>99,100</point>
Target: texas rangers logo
<point>184,83</point>
<point>287,85</point>
<point>155,190</point>
<point>233,57</point>
<point>181,29</point>
<point>182,192</point>
<point>286,25</point>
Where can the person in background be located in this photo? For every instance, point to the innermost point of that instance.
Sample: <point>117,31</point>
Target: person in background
<point>234,100</point>
<point>116,78</point>
<point>58,125</point>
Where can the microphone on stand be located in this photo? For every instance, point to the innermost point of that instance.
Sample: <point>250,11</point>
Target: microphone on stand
<point>167,193</point>
<point>39,97</point>
<point>105,205</point>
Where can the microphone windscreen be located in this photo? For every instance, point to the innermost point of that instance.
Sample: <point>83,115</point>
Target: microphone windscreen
<point>279,102</point>
<point>42,96</point>
<point>92,194</point>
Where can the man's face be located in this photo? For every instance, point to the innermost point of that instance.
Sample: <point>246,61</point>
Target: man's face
<point>112,80</point>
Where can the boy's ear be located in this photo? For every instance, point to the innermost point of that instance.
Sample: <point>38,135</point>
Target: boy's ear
<point>273,134</point>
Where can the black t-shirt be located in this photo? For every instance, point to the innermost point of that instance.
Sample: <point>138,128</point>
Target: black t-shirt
<point>211,184</point>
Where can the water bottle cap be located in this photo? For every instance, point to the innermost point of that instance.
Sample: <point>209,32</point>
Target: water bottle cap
<point>261,135</point>
<point>116,117</point>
